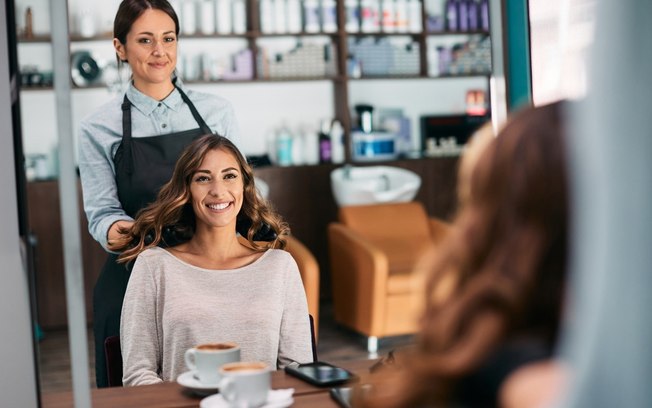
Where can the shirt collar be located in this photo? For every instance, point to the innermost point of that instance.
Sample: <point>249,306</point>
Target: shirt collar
<point>147,104</point>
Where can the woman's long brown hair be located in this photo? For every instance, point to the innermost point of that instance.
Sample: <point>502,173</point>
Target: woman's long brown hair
<point>507,254</point>
<point>172,211</point>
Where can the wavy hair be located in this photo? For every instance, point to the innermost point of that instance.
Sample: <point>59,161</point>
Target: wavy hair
<point>171,215</point>
<point>506,258</point>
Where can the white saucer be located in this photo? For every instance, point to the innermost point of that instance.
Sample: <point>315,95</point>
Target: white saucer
<point>191,382</point>
<point>275,399</point>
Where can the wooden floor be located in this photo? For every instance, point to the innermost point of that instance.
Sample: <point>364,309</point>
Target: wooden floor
<point>335,344</point>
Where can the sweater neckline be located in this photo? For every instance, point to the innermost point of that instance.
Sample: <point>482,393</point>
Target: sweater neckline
<point>189,265</point>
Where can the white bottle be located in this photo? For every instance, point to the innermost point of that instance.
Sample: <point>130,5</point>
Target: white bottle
<point>294,20</point>
<point>87,23</point>
<point>297,150</point>
<point>414,16</point>
<point>401,17</point>
<point>369,12</point>
<point>352,16</point>
<point>207,16</point>
<point>389,16</point>
<point>239,17</point>
<point>311,146</point>
<point>267,16</point>
<point>311,16</point>
<point>337,142</point>
<point>280,17</point>
<point>328,16</point>
<point>189,25</point>
<point>223,17</point>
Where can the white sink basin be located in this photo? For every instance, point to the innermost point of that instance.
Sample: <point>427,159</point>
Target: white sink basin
<point>373,185</point>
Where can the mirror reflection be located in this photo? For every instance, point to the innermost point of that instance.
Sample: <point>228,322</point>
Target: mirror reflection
<point>298,103</point>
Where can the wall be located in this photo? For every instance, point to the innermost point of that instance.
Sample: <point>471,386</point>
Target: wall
<point>261,107</point>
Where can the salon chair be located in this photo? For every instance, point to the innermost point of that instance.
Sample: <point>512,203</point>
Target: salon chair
<point>377,277</point>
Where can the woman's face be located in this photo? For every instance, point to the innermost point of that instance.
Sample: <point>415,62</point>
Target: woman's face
<point>151,49</point>
<point>217,190</point>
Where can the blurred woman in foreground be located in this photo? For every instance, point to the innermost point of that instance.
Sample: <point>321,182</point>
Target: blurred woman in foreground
<point>494,297</point>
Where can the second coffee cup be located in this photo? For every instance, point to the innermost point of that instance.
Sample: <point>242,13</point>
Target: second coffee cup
<point>206,359</point>
<point>245,384</point>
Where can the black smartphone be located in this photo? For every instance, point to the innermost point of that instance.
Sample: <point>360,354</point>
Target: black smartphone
<point>320,373</point>
<point>342,396</point>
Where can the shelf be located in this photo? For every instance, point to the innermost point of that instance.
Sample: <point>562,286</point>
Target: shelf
<point>382,34</point>
<point>302,34</point>
<point>36,88</point>
<point>399,77</point>
<point>41,38</point>
<point>449,33</point>
<point>468,75</point>
<point>263,80</point>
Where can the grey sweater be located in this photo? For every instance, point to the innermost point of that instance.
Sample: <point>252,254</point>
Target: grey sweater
<point>171,306</point>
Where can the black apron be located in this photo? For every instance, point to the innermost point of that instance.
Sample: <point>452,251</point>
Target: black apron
<point>142,166</point>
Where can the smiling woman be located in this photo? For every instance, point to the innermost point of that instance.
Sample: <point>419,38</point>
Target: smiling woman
<point>128,147</point>
<point>251,295</point>
<point>150,48</point>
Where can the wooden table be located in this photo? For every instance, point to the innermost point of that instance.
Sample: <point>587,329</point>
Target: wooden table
<point>173,395</point>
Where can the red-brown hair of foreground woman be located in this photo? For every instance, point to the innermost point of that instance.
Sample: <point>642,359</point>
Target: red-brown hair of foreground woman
<point>173,209</point>
<point>507,258</point>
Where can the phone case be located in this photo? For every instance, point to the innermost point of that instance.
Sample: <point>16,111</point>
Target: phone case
<point>321,374</point>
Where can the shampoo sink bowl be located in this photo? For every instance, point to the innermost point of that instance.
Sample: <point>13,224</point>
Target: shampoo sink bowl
<point>373,185</point>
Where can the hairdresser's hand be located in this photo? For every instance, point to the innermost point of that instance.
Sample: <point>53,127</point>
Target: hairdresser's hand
<point>114,231</point>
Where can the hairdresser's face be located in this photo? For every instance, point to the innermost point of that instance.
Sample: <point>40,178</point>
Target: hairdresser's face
<point>151,50</point>
<point>216,190</point>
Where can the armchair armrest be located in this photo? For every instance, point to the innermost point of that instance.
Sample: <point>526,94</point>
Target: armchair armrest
<point>309,269</point>
<point>359,272</point>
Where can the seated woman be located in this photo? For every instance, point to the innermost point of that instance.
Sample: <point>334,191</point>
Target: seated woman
<point>494,295</point>
<point>211,287</point>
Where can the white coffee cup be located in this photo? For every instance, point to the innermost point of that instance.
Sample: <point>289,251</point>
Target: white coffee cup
<point>206,360</point>
<point>245,384</point>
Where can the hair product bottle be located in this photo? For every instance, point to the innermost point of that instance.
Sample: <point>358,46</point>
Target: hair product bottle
<point>294,22</point>
<point>311,16</point>
<point>352,16</point>
<point>207,15</point>
<point>329,16</point>
<point>266,17</point>
<point>414,16</point>
<point>389,16</point>
<point>337,142</point>
<point>189,13</point>
<point>280,16</point>
<point>325,152</point>
<point>223,17</point>
<point>451,15</point>
<point>239,17</point>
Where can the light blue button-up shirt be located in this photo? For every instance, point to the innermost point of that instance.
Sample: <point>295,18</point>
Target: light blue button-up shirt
<point>100,135</point>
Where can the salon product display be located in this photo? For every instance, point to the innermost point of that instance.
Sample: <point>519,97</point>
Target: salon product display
<point>212,67</point>
<point>369,56</point>
<point>303,60</point>
<point>464,58</point>
<point>457,15</point>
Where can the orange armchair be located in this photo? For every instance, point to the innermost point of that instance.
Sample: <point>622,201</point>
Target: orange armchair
<point>377,283</point>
